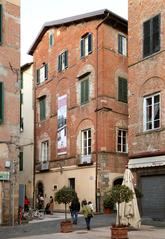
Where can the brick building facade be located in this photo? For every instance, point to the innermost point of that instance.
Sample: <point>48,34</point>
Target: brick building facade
<point>147,102</point>
<point>80,71</point>
<point>9,108</point>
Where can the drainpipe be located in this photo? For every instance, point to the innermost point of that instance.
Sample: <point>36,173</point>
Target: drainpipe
<point>97,78</point>
<point>34,131</point>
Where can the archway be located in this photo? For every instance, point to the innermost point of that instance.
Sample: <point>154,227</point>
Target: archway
<point>118,181</point>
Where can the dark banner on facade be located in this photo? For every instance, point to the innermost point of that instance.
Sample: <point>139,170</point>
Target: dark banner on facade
<point>62,128</point>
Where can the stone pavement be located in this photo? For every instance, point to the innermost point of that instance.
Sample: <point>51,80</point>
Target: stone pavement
<point>49,228</point>
<point>146,232</point>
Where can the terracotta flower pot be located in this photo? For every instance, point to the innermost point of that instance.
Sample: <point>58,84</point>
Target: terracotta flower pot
<point>118,232</point>
<point>66,226</point>
<point>107,210</point>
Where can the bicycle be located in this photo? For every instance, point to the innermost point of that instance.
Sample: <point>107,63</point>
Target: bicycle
<point>33,214</point>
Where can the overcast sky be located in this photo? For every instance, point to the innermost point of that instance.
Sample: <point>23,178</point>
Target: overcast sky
<point>34,13</point>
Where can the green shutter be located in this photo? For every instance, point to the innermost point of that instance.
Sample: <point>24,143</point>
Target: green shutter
<point>82,48</point>
<point>59,63</point>
<point>122,90</point>
<point>84,91</point>
<point>1,23</point>
<point>46,71</point>
<point>38,76</point>
<point>66,58</point>
<point>90,42</point>
<point>1,102</point>
<point>42,108</point>
<point>21,161</point>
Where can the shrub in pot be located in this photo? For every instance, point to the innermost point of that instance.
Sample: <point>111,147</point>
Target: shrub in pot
<point>107,203</point>
<point>119,194</point>
<point>64,196</point>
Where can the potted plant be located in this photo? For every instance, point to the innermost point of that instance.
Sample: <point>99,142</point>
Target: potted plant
<point>107,203</point>
<point>65,195</point>
<point>119,194</point>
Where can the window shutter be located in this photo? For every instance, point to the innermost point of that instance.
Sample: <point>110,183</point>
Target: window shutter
<point>0,23</point>
<point>82,48</point>
<point>156,34</point>
<point>125,91</point>
<point>122,90</point>
<point>66,59</point>
<point>86,90</point>
<point>119,44</point>
<point>21,161</point>
<point>42,108</point>
<point>82,92</point>
<point>38,76</point>
<point>1,102</point>
<point>59,63</point>
<point>90,42</point>
<point>46,71</point>
<point>146,38</point>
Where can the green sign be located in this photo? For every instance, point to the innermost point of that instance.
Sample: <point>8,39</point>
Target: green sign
<point>4,176</point>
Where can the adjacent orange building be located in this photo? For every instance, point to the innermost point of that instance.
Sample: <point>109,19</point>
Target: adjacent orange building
<point>9,109</point>
<point>147,103</point>
<point>81,111</point>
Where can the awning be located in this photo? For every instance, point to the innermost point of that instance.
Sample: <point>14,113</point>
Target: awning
<point>155,161</point>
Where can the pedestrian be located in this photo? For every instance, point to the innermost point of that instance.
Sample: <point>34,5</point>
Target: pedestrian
<point>74,209</point>
<point>51,205</point>
<point>26,204</point>
<point>40,201</point>
<point>88,214</point>
<point>91,205</point>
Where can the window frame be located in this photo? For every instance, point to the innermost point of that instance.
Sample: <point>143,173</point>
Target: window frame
<point>150,35</point>
<point>86,45</point>
<point>122,45</point>
<point>87,146</point>
<point>21,161</point>
<point>44,151</point>
<point>51,39</point>
<point>42,72</point>
<point>152,121</point>
<point>62,61</point>
<point>122,141</point>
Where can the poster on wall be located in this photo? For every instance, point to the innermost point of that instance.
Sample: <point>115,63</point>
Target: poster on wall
<point>62,128</point>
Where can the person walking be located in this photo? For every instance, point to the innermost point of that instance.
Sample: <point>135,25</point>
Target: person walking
<point>88,214</point>
<point>51,205</point>
<point>74,209</point>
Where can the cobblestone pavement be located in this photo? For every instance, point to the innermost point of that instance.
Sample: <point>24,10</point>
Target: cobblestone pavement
<point>49,228</point>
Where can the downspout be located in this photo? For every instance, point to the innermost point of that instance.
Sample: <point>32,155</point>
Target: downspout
<point>97,89</point>
<point>34,132</point>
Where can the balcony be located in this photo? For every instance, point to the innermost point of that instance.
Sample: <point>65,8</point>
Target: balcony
<point>83,160</point>
<point>42,166</point>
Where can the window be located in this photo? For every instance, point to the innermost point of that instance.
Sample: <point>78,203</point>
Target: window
<point>122,141</point>
<point>51,39</point>
<point>152,112</point>
<point>86,45</point>
<point>21,161</point>
<point>84,90</point>
<point>42,103</point>
<point>151,36</point>
<point>71,183</point>
<point>1,102</point>
<point>122,90</point>
<point>0,23</point>
<point>122,45</point>
<point>42,74</point>
<point>63,61</point>
<point>44,151</point>
<point>86,146</point>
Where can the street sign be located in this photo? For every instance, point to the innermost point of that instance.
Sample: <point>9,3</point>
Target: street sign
<point>4,176</point>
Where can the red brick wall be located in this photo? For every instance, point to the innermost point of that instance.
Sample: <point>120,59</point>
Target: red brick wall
<point>146,76</point>
<point>111,65</point>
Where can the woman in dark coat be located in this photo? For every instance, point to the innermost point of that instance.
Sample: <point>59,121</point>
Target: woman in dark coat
<point>74,209</point>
